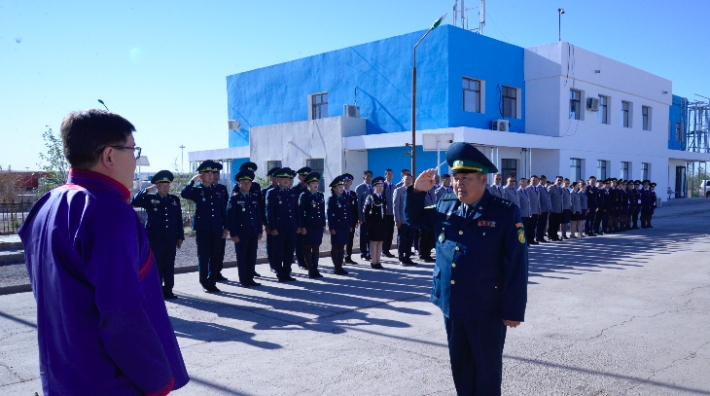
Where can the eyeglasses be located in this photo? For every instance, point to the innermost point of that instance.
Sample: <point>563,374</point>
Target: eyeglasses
<point>136,150</point>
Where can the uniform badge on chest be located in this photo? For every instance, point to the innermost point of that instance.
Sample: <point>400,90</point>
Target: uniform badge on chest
<point>442,237</point>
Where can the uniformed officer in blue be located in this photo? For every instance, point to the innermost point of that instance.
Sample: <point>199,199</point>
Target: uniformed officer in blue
<point>311,222</point>
<point>354,214</point>
<point>298,189</point>
<point>245,226</point>
<point>164,226</point>
<point>481,271</point>
<point>339,222</point>
<point>281,217</point>
<point>223,192</point>
<point>209,223</point>
<point>271,174</point>
<point>250,166</point>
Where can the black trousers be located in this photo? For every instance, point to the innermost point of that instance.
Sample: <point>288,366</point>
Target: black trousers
<point>405,236</point>
<point>246,259</point>
<point>589,221</point>
<point>364,239</point>
<point>389,226</point>
<point>349,247</point>
<point>164,254</point>
<point>220,263</point>
<point>555,220</point>
<point>531,226</point>
<point>542,225</point>
<point>635,216</point>
<point>300,250</point>
<point>282,246</point>
<point>427,242</point>
<point>209,249</point>
<point>476,353</point>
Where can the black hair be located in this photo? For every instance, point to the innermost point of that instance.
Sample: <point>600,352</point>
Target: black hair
<point>85,134</point>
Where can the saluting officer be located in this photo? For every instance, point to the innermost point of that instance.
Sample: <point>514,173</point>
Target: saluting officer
<point>209,223</point>
<point>298,189</point>
<point>271,174</point>
<point>311,222</point>
<point>245,226</point>
<point>354,214</point>
<point>224,193</point>
<point>481,271</point>
<point>164,226</point>
<point>339,222</point>
<point>281,216</point>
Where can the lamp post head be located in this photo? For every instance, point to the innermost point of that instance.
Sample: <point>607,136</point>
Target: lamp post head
<point>561,10</point>
<point>438,22</point>
<point>102,102</point>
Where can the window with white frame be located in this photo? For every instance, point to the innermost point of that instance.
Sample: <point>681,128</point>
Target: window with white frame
<point>575,169</point>
<point>602,169</point>
<point>472,95</point>
<point>575,105</point>
<point>319,106</point>
<point>645,174</point>
<point>603,113</point>
<point>317,165</point>
<point>625,114</point>
<point>625,170</point>
<point>510,102</point>
<point>646,115</point>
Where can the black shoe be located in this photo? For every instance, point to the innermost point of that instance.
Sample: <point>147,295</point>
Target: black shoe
<point>340,272</point>
<point>290,279</point>
<point>348,260</point>
<point>250,284</point>
<point>388,254</point>
<point>533,243</point>
<point>211,289</point>
<point>220,278</point>
<point>169,296</point>
<point>258,275</point>
<point>377,266</point>
<point>427,259</point>
<point>407,262</point>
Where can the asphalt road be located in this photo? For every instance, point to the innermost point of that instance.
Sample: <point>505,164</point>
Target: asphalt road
<point>622,314</point>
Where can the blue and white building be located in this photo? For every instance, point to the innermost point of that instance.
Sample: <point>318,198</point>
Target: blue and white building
<point>555,110</point>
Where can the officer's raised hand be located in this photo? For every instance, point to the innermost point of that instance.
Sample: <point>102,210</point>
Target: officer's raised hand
<point>196,178</point>
<point>235,239</point>
<point>425,181</point>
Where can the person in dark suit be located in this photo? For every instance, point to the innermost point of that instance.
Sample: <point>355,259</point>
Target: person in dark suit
<point>481,271</point>
<point>405,233</point>
<point>216,172</point>
<point>592,206</point>
<point>311,222</point>
<point>654,202</point>
<point>354,214</point>
<point>209,223</point>
<point>363,190</point>
<point>339,223</point>
<point>545,207</point>
<point>534,197</point>
<point>637,204</point>
<point>164,226</point>
<point>245,226</point>
<point>281,216</point>
<point>298,189</point>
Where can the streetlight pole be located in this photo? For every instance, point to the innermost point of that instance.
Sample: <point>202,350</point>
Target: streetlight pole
<point>414,94</point>
<point>560,11</point>
<point>182,158</point>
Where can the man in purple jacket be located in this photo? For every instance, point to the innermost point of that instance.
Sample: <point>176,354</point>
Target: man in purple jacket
<point>102,324</point>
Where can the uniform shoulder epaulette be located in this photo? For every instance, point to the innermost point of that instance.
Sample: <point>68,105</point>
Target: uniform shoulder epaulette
<point>449,197</point>
<point>501,201</point>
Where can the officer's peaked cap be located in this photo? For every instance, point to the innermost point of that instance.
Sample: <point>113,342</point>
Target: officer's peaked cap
<point>244,174</point>
<point>284,172</point>
<point>249,165</point>
<point>205,166</point>
<point>378,180</point>
<point>348,176</point>
<point>337,181</point>
<point>273,171</point>
<point>304,171</point>
<point>164,176</point>
<point>312,177</point>
<point>464,158</point>
<point>216,166</point>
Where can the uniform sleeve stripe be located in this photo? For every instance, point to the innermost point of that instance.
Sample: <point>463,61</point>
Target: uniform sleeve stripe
<point>146,267</point>
<point>165,390</point>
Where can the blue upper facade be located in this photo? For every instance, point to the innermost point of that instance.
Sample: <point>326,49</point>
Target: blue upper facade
<point>379,76</point>
<point>678,125</point>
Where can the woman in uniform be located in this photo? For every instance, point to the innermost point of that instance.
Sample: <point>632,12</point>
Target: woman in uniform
<point>310,218</point>
<point>339,223</point>
<point>374,214</point>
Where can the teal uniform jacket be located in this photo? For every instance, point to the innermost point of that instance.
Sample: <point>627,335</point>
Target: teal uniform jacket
<point>481,270</point>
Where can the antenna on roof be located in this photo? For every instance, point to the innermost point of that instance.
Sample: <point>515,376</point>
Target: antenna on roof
<point>482,17</point>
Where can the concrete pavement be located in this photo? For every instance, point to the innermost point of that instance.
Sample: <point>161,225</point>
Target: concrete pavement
<point>621,314</point>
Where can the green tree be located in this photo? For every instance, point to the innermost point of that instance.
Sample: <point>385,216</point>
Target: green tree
<point>52,162</point>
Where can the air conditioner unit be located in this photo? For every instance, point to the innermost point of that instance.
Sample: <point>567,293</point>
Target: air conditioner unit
<point>351,111</point>
<point>234,125</point>
<point>593,104</point>
<point>500,125</point>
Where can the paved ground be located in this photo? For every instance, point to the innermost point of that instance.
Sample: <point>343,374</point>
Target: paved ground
<point>622,314</point>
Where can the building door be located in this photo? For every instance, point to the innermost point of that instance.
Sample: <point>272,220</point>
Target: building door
<point>680,182</point>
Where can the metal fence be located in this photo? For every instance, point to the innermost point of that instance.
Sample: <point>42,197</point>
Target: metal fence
<point>13,213</point>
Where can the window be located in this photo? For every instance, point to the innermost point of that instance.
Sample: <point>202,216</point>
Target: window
<point>471,95</point>
<point>508,167</point>
<point>644,171</point>
<point>575,169</point>
<point>678,131</point>
<point>272,164</point>
<point>575,106</point>
<point>319,106</point>
<point>317,165</point>
<point>624,171</point>
<point>603,112</point>
<point>625,114</point>
<point>510,102</point>
<point>602,173</point>
<point>646,114</point>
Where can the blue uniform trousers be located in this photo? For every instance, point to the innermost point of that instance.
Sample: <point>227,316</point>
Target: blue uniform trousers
<point>164,254</point>
<point>300,250</point>
<point>476,352</point>
<point>220,264</point>
<point>405,237</point>
<point>246,259</point>
<point>209,248</point>
<point>364,240</point>
<point>282,246</point>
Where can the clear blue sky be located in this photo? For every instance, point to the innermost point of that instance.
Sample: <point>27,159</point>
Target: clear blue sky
<point>163,64</point>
